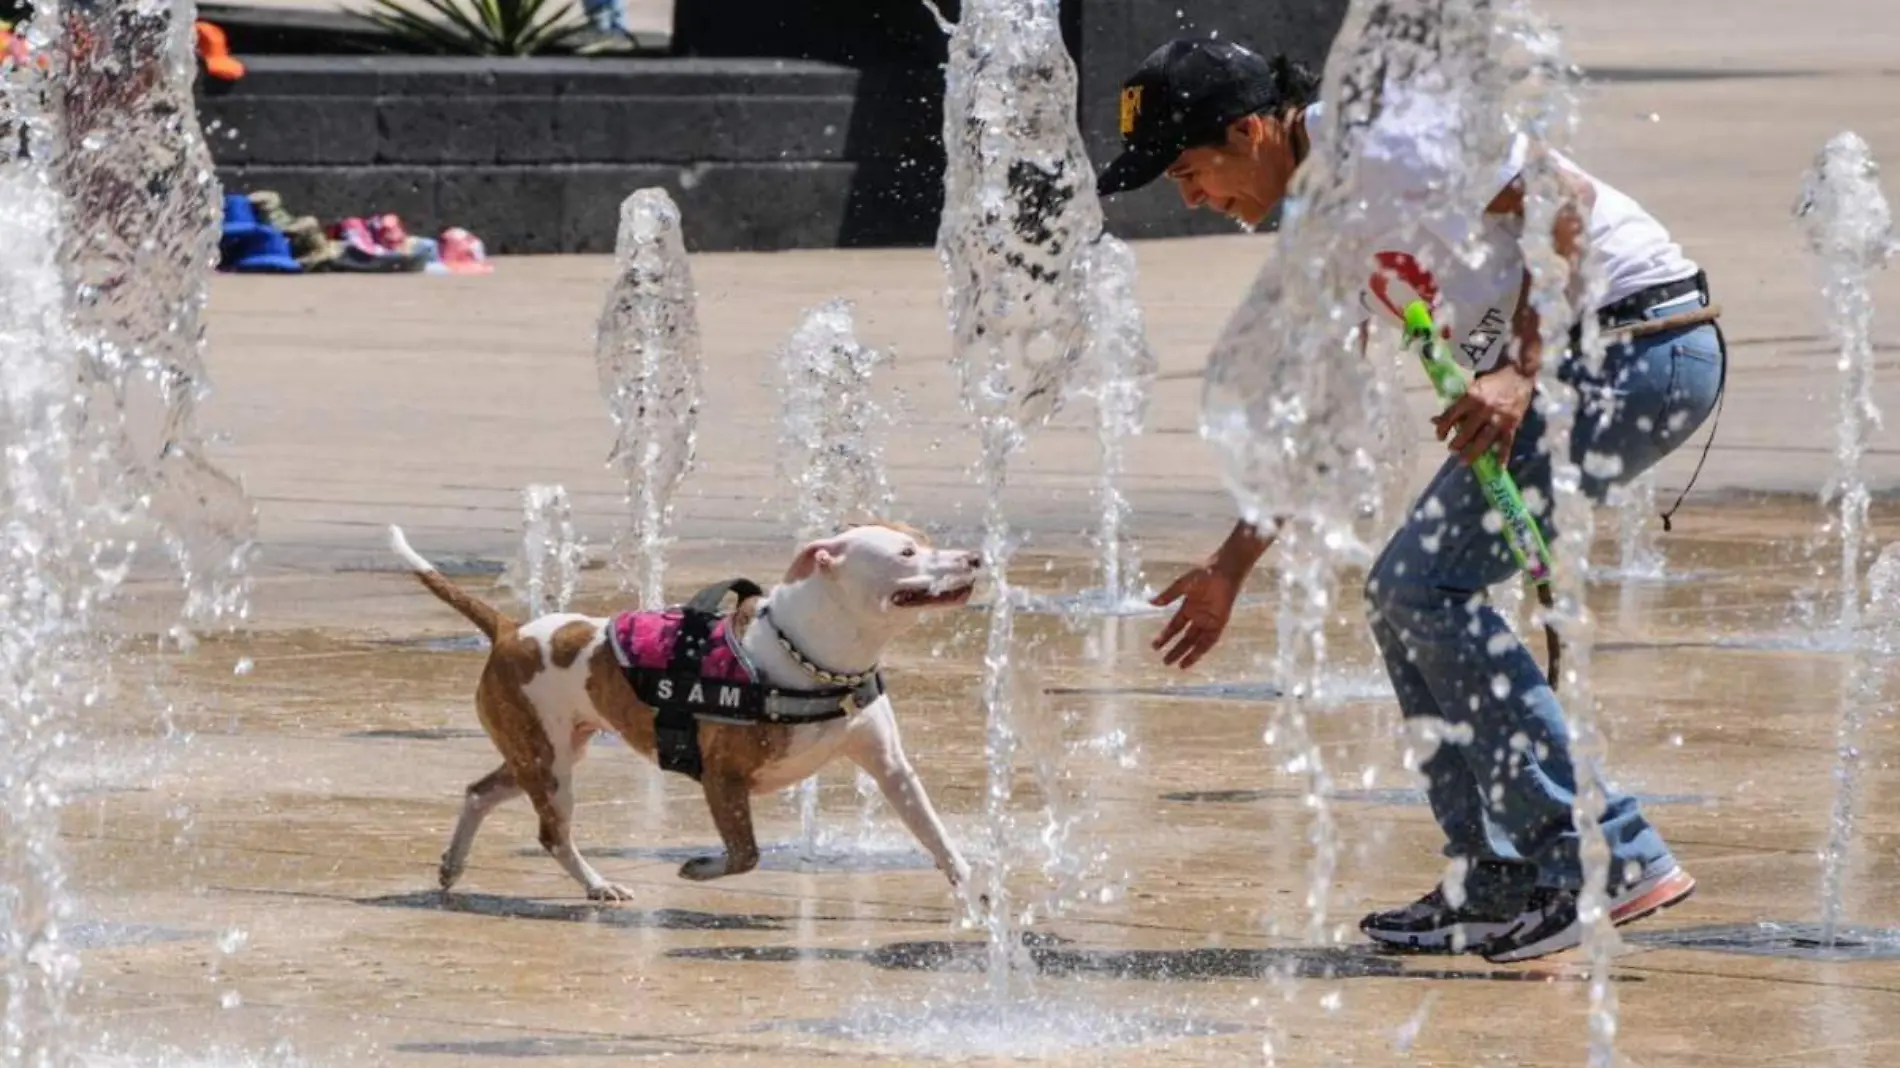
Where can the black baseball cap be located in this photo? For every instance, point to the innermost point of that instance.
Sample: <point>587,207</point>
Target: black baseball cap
<point>1186,94</point>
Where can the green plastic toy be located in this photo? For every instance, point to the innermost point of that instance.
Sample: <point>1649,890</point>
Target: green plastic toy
<point>1521,532</point>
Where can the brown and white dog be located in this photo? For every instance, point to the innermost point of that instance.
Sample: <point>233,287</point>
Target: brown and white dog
<point>552,683</point>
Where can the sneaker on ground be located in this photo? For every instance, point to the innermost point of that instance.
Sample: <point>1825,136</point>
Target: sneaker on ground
<point>1549,922</point>
<point>1432,925</point>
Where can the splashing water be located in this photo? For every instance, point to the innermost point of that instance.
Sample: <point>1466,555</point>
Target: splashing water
<point>831,457</point>
<point>832,427</point>
<point>1849,227</point>
<point>137,171</point>
<point>961,1032</point>
<point>105,251</point>
<point>648,355</point>
<point>1864,692</point>
<point>1308,428</point>
<point>549,572</point>
<point>1019,212</point>
<point>1542,108</point>
<point>1639,557</point>
<point>1121,371</point>
<point>43,631</point>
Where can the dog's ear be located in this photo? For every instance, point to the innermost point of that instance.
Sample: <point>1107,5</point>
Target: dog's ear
<point>816,557</point>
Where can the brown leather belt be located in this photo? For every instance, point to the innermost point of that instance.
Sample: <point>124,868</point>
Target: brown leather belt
<point>1708,313</point>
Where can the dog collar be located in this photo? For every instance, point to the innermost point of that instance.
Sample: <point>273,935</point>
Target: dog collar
<point>835,678</point>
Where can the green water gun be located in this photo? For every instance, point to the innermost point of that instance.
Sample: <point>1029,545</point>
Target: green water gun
<point>1521,532</point>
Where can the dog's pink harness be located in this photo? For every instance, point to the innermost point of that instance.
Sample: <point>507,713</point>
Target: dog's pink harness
<point>686,664</point>
<point>648,640</point>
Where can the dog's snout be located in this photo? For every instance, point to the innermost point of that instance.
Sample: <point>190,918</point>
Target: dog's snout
<point>975,560</point>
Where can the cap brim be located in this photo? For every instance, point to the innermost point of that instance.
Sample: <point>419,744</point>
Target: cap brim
<point>1134,168</point>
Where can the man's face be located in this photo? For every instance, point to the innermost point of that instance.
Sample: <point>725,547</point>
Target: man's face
<point>1236,179</point>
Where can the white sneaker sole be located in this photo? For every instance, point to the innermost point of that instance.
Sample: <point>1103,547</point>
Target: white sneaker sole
<point>1646,898</point>
<point>1460,938</point>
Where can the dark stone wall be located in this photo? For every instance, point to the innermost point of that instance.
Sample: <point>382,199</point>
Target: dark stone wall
<point>535,155</point>
<point>855,33</point>
<point>1108,39</point>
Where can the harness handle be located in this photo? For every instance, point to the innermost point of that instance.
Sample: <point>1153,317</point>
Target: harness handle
<point>709,600</point>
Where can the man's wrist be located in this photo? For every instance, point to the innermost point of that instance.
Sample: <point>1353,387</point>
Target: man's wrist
<point>1244,547</point>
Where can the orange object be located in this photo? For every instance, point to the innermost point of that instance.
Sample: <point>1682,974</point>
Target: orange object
<point>215,50</point>
<point>12,47</point>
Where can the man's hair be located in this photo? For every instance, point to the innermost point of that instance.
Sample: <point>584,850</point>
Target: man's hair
<point>1294,83</point>
<point>1293,86</point>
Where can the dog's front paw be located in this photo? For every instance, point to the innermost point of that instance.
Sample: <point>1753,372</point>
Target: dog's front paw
<point>609,892</point>
<point>700,869</point>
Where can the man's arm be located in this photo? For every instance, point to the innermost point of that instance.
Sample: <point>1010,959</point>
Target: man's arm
<point>1527,350</point>
<point>1494,407</point>
<point>1207,594</point>
<point>1244,547</point>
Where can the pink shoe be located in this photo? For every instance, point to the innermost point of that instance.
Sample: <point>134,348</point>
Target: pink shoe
<point>387,230</point>
<point>463,253</point>
<point>363,254</point>
<point>354,232</point>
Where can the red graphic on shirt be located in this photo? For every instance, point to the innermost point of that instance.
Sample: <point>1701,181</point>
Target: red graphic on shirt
<point>1413,282</point>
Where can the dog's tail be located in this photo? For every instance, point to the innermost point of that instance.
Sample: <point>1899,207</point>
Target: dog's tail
<point>483,615</point>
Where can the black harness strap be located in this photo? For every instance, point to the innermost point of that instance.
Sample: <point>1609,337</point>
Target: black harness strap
<point>680,697</point>
<point>675,727</point>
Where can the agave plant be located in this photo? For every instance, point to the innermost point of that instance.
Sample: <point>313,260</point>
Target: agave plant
<point>479,27</point>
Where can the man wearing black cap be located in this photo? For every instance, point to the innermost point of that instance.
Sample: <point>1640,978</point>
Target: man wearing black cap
<point>1230,129</point>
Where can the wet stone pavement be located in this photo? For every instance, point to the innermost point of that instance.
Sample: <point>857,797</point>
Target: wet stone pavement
<point>266,870</point>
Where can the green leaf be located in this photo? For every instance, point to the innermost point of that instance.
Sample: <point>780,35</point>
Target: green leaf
<point>414,30</point>
<point>478,27</point>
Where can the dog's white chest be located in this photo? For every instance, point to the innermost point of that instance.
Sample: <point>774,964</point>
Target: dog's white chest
<point>813,746</point>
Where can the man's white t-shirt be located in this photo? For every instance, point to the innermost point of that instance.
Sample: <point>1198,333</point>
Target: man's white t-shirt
<point>1411,151</point>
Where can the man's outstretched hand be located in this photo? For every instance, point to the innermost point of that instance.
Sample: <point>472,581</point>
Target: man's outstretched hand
<point>1207,596</point>
<point>1207,602</point>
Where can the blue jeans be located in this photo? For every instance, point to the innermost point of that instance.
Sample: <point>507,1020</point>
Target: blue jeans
<point>1503,793</point>
<point>606,16</point>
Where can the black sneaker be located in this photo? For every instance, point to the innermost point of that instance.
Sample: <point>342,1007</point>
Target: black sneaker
<point>1432,925</point>
<point>1549,922</point>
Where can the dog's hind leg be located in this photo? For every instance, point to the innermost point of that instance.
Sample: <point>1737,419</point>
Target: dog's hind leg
<point>553,797</point>
<point>730,798</point>
<point>874,746</point>
<point>482,797</point>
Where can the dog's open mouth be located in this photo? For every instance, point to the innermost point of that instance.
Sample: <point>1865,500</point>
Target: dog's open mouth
<point>930,598</point>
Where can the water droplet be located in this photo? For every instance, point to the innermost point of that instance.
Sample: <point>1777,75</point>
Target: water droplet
<point>243,666</point>
<point>232,939</point>
<point>230,999</point>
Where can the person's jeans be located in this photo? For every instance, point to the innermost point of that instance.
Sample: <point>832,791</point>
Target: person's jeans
<point>1503,792</point>
<point>606,16</point>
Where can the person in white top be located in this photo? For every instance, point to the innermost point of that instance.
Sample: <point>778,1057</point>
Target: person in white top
<point>1230,129</point>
